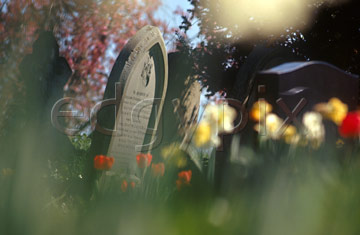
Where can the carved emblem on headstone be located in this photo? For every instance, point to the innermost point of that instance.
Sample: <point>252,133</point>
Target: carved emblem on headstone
<point>146,73</point>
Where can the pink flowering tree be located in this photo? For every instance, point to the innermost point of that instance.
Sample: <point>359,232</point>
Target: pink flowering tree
<point>90,33</point>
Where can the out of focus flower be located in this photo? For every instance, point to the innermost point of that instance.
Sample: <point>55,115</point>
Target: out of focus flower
<point>290,135</point>
<point>173,154</point>
<point>170,150</point>
<point>271,127</point>
<point>7,172</point>
<point>217,119</point>
<point>132,180</point>
<point>158,169</point>
<point>226,119</point>
<point>314,128</point>
<point>124,186</point>
<point>334,110</point>
<point>340,143</point>
<point>203,134</point>
<point>180,160</point>
<point>350,127</point>
<point>221,116</point>
<point>273,124</point>
<point>102,162</point>
<point>184,178</point>
<point>259,110</point>
<point>143,160</point>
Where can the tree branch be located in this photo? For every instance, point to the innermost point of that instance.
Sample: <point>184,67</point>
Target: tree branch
<point>2,6</point>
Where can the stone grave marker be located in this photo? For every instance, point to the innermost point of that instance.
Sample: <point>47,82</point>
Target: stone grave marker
<point>129,116</point>
<point>313,81</point>
<point>294,88</point>
<point>43,74</point>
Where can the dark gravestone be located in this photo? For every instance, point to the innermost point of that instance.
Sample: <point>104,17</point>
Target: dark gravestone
<point>31,143</point>
<point>130,122</point>
<point>44,74</point>
<point>313,81</point>
<point>181,106</point>
<point>261,58</point>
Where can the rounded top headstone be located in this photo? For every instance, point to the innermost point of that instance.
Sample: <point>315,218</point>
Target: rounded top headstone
<point>129,116</point>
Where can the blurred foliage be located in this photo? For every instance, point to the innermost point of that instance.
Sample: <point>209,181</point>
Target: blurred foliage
<point>270,188</point>
<point>81,142</point>
<point>314,192</point>
<point>90,35</point>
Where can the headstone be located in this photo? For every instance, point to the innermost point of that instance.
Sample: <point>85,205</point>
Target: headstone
<point>129,118</point>
<point>44,74</point>
<point>313,81</point>
<point>181,106</point>
<point>262,57</point>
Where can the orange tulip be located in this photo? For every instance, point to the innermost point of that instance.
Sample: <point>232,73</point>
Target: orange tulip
<point>124,186</point>
<point>158,169</point>
<point>102,162</point>
<point>184,179</point>
<point>143,160</point>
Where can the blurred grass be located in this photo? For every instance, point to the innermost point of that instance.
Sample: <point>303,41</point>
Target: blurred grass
<point>301,192</point>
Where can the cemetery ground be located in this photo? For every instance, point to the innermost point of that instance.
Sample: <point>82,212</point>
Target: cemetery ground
<point>276,153</point>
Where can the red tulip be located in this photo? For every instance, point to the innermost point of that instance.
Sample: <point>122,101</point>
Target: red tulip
<point>158,169</point>
<point>184,179</point>
<point>102,162</point>
<point>143,160</point>
<point>350,126</point>
<point>124,186</point>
